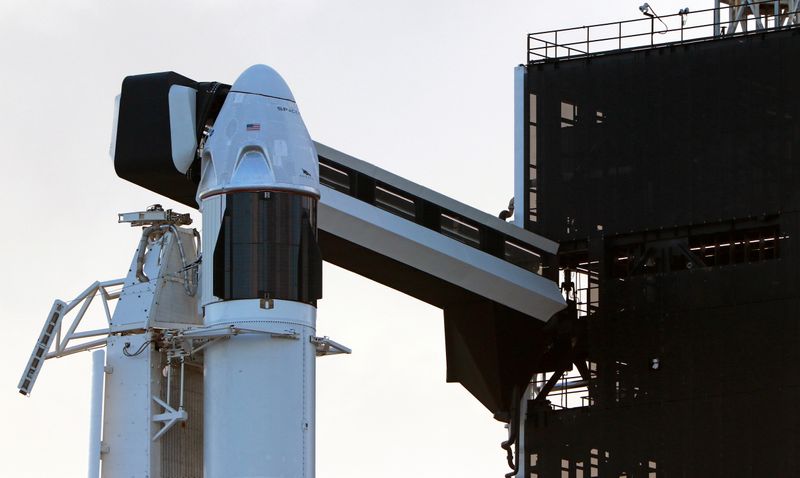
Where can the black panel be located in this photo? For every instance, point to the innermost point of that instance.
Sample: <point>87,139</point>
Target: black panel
<point>686,155</point>
<point>677,135</point>
<point>721,401</point>
<point>492,351</point>
<point>143,151</point>
<point>267,248</point>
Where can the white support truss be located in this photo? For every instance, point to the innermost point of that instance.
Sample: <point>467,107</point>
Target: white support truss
<point>51,336</point>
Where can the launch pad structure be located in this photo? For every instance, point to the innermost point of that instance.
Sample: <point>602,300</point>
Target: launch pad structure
<point>660,154</point>
<point>215,330</point>
<point>636,317</point>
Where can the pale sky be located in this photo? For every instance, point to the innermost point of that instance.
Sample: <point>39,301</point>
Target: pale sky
<point>423,89</point>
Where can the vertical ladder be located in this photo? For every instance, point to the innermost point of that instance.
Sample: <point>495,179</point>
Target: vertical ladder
<point>49,332</point>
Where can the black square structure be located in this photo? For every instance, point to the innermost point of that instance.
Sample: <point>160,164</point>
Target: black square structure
<point>670,175</point>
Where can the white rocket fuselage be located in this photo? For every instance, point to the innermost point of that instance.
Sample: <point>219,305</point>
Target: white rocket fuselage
<point>260,272</point>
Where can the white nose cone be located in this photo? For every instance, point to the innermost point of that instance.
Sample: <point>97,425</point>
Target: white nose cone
<point>258,141</point>
<point>262,80</point>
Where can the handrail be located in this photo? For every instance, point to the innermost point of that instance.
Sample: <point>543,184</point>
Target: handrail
<point>584,40</point>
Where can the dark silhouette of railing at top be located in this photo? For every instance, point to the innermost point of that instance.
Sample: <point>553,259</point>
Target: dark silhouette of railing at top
<point>652,29</point>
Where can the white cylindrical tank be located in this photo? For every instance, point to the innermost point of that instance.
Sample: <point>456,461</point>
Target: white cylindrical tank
<point>259,392</point>
<point>260,276</point>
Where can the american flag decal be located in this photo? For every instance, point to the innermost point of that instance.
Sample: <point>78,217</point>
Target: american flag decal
<point>253,127</point>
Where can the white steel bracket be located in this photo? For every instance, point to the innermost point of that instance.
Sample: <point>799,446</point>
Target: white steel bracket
<point>169,418</point>
<point>326,346</point>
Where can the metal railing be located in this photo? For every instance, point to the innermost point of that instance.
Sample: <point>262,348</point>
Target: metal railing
<point>745,17</point>
<point>570,391</point>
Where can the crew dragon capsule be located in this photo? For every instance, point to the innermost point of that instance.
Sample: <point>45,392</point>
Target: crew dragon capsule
<point>261,271</point>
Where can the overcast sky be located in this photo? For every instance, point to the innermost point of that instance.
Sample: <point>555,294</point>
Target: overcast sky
<point>421,88</point>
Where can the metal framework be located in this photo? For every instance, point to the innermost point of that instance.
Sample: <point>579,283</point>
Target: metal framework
<point>676,213</point>
<point>727,18</point>
<point>52,337</point>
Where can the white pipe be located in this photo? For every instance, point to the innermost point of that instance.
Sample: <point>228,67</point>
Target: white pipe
<point>95,428</point>
<point>520,160</point>
<point>570,384</point>
<point>522,456</point>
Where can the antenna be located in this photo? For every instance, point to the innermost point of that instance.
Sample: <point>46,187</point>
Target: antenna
<point>648,11</point>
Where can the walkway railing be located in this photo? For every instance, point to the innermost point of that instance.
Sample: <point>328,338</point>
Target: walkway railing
<point>742,18</point>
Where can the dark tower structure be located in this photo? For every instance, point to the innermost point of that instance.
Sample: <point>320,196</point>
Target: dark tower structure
<point>670,175</point>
